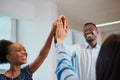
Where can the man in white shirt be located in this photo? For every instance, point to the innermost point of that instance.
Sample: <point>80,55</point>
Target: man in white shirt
<point>82,58</point>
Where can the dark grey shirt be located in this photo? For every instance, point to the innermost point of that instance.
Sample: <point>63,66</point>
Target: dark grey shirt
<point>25,75</point>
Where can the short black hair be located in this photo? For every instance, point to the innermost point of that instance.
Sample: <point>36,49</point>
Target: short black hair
<point>4,50</point>
<point>89,24</point>
<point>108,62</point>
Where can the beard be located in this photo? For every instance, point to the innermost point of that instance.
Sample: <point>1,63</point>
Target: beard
<point>90,40</point>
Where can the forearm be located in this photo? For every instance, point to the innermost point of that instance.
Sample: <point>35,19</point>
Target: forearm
<point>45,50</point>
<point>64,65</point>
<point>42,54</point>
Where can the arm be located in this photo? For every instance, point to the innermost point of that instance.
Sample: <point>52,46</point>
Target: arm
<point>64,69</point>
<point>61,29</point>
<point>43,53</point>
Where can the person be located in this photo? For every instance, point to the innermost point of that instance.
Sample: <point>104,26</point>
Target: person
<point>108,65</point>
<point>83,57</point>
<point>65,70</point>
<point>15,54</point>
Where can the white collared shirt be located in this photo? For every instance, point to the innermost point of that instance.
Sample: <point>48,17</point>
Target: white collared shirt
<point>85,61</point>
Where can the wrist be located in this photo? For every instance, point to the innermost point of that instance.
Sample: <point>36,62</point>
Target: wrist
<point>59,40</point>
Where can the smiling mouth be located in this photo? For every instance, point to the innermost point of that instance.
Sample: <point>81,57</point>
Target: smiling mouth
<point>24,57</point>
<point>88,36</point>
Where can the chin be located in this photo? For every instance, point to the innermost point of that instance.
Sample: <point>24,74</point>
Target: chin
<point>90,41</point>
<point>24,62</point>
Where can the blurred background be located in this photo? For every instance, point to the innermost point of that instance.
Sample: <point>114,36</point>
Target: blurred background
<point>29,23</point>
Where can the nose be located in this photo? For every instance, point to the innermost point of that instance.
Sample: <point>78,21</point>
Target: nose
<point>24,52</point>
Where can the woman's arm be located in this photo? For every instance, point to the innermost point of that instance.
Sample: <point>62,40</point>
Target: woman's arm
<point>43,53</point>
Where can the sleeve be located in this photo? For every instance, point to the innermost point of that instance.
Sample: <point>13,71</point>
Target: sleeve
<point>26,72</point>
<point>64,69</point>
<point>2,77</point>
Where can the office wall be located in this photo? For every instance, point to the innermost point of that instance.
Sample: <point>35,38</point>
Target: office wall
<point>105,34</point>
<point>17,9</point>
<point>108,30</point>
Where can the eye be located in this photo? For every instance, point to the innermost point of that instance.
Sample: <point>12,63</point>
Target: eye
<point>91,29</point>
<point>85,30</point>
<point>24,49</point>
<point>18,49</point>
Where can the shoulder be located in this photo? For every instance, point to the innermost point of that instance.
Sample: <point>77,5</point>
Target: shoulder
<point>98,46</point>
<point>26,71</point>
<point>75,49</point>
<point>2,77</point>
<point>85,45</point>
<point>74,46</point>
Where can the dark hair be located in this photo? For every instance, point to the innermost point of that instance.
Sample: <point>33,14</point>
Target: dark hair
<point>4,50</point>
<point>108,62</point>
<point>89,24</point>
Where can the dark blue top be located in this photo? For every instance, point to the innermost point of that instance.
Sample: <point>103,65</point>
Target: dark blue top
<point>25,75</point>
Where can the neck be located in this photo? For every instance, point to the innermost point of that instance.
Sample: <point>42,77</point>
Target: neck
<point>93,44</point>
<point>15,68</point>
<point>13,72</point>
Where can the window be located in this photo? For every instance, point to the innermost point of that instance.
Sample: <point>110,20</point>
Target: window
<point>7,31</point>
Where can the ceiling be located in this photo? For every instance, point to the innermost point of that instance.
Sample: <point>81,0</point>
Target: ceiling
<point>81,11</point>
<point>96,11</point>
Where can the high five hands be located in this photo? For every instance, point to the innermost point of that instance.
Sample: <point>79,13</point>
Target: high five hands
<point>61,29</point>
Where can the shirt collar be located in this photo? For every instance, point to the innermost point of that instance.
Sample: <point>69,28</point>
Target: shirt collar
<point>89,47</point>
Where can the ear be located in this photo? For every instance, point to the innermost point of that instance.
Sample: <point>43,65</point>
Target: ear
<point>8,57</point>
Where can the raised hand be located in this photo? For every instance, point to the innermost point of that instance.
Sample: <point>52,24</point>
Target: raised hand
<point>61,29</point>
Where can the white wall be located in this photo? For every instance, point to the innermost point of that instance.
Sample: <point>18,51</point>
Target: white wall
<point>17,9</point>
<point>5,28</point>
<point>105,34</point>
<point>77,37</point>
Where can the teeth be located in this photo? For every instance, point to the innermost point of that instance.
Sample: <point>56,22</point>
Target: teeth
<point>88,35</point>
<point>24,57</point>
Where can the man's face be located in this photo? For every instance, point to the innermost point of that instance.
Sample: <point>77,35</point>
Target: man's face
<point>90,33</point>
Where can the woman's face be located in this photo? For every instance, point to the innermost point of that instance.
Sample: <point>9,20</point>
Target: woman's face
<point>17,54</point>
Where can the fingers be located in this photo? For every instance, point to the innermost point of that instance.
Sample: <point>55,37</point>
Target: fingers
<point>61,21</point>
<point>67,28</point>
<point>61,29</point>
<point>57,24</point>
<point>60,24</point>
<point>64,20</point>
